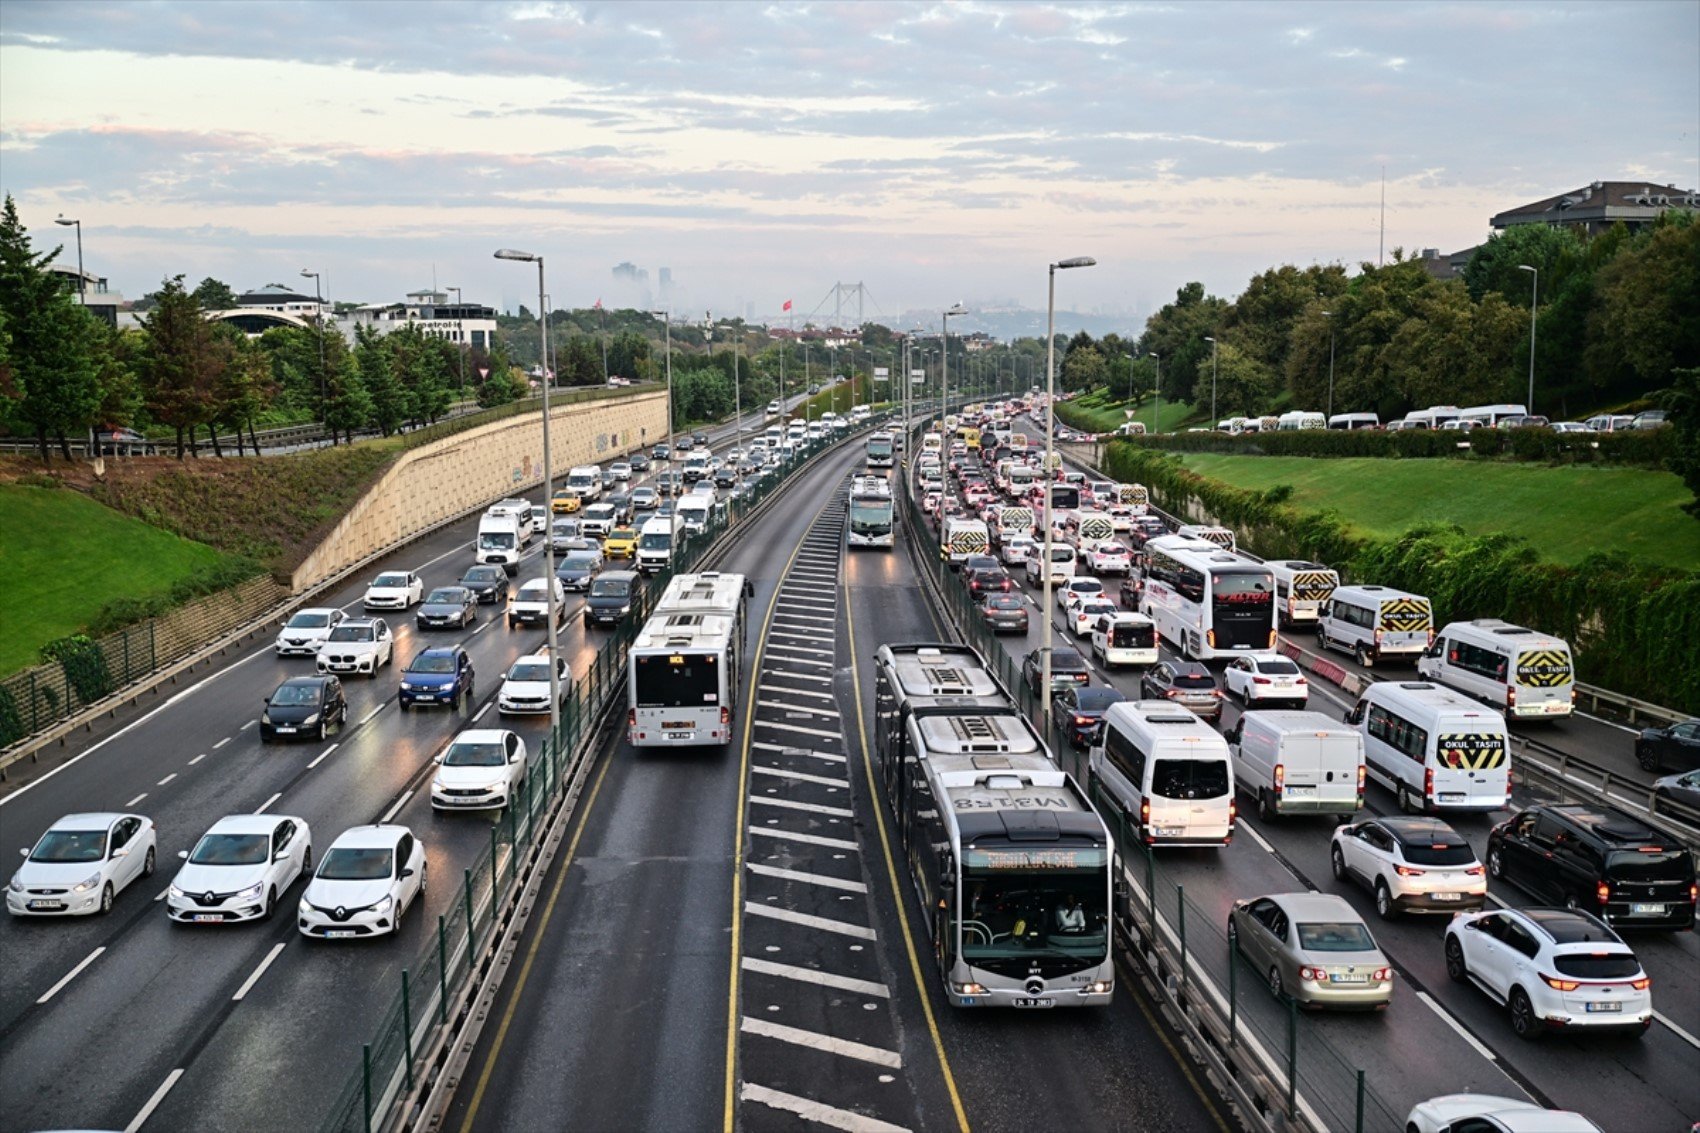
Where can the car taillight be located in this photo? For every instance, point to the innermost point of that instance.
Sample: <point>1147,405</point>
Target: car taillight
<point>1082,721</point>
<point>1272,636</point>
<point>1641,984</point>
<point>1261,681</point>
<point>1407,871</point>
<point>1233,812</point>
<point>1428,784</point>
<point>1144,812</point>
<point>631,717</point>
<point>1217,693</point>
<point>1694,894</point>
<point>1474,871</point>
<point>1360,784</point>
<point>1602,892</point>
<point>1210,638</point>
<point>1559,984</point>
<point>1173,693</point>
<point>1378,638</point>
<point>1280,777</point>
<point>1314,975</point>
<point>1300,681</point>
<point>1382,975</point>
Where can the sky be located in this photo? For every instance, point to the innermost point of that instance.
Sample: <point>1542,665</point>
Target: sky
<point>764,152</point>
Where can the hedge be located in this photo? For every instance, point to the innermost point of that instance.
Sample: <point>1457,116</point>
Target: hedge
<point>1649,447</point>
<point>1633,628</point>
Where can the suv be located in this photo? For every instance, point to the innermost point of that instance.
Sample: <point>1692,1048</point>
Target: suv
<point>441,675</point>
<point>1654,745</point>
<point>1599,860</point>
<point>611,597</point>
<point>1187,683</point>
<point>357,645</point>
<point>1411,864</point>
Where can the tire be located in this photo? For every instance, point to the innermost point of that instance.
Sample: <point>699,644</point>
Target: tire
<point>1406,803</point>
<point>1456,970</point>
<point>307,861</point>
<point>1338,861</point>
<point>424,879</point>
<point>1321,638</point>
<point>1649,760</point>
<point>148,863</point>
<point>1265,807</point>
<point>1495,865</point>
<point>1363,657</point>
<point>1274,980</point>
<point>106,899</point>
<point>324,729</point>
<point>1384,906</point>
<point>270,906</point>
<point>1523,1022</point>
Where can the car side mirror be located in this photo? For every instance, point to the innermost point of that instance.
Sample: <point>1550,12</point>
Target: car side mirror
<point>513,757</point>
<point>436,759</point>
<point>120,852</point>
<point>24,851</point>
<point>407,872</point>
<point>184,854</point>
<point>281,854</point>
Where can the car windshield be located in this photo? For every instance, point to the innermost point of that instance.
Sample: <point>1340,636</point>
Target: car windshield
<point>1279,667</point>
<point>579,560</point>
<point>357,863</point>
<point>610,588</point>
<point>533,592</point>
<point>476,754</point>
<point>495,541</point>
<point>295,694</point>
<point>622,534</point>
<point>70,846</point>
<point>309,621</point>
<point>1190,778</point>
<point>447,596</point>
<point>483,574</point>
<point>351,633</point>
<point>433,663</point>
<point>529,671</point>
<point>1334,936</point>
<point>231,849</point>
<point>390,581</point>
<point>1597,965</point>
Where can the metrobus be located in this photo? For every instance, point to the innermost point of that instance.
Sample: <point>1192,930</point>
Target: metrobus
<point>1208,601</point>
<point>880,450</point>
<point>1009,859</point>
<point>684,669</point>
<point>872,514</point>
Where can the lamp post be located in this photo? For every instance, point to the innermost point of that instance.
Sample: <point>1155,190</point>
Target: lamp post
<point>460,336</point>
<point>944,359</point>
<point>1156,395</point>
<point>82,280</point>
<point>1534,297</point>
<point>1329,315</point>
<point>1050,448</point>
<point>1212,341</point>
<point>319,299</point>
<point>548,495</point>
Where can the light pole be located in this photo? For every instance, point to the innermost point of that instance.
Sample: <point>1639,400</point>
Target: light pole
<point>944,360</point>
<point>667,317</point>
<point>460,336</point>
<point>319,298</point>
<point>1157,396</point>
<point>548,496</point>
<point>82,280</point>
<point>1212,341</point>
<point>1050,449</point>
<point>1329,315</point>
<point>1534,297</point>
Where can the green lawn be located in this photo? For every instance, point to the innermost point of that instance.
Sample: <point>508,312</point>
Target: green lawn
<point>1567,513</point>
<point>63,556</point>
<point>1100,412</point>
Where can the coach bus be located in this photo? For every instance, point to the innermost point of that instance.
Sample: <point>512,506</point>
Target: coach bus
<point>684,669</point>
<point>1208,601</point>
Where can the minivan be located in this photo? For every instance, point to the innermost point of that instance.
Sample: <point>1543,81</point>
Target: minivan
<point>1169,771</point>
<point>1433,748</point>
<point>1375,623</point>
<point>1599,860</point>
<point>1528,673</point>
<point>1298,763</point>
<point>499,541</point>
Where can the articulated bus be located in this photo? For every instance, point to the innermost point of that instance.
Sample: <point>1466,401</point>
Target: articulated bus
<point>872,514</point>
<point>685,668</point>
<point>880,449</point>
<point>1208,601</point>
<point>1008,857</point>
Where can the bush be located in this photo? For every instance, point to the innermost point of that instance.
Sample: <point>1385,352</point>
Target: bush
<point>84,663</point>
<point>1650,448</point>
<point>11,720</point>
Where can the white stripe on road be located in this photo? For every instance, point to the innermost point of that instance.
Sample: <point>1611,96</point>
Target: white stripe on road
<point>153,1103</point>
<point>1680,1033</point>
<point>248,725</point>
<point>809,839</point>
<point>798,728</point>
<point>166,780</point>
<point>479,715</point>
<point>819,1113</point>
<point>798,1037</point>
<point>1258,838</point>
<point>811,976</point>
<point>800,776</point>
<point>135,800</point>
<point>263,807</point>
<point>221,743</point>
<point>806,878</point>
<point>320,758</point>
<point>801,617</point>
<point>248,984</point>
<point>1457,1026</point>
<point>791,750</point>
<point>201,756</point>
<point>812,808</point>
<point>371,714</point>
<point>71,975</point>
<point>789,674</point>
<point>825,924</point>
<point>781,689</point>
<point>399,803</point>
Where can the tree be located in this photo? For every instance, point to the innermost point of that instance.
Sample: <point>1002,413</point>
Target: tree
<point>1682,402</point>
<point>1083,367</point>
<point>214,295</point>
<point>1646,322</point>
<point>184,363</point>
<point>1245,385</point>
<point>387,399</point>
<point>1176,334</point>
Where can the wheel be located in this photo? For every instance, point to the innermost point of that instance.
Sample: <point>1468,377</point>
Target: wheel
<point>1321,637</point>
<point>265,736</point>
<point>324,729</point>
<point>342,715</point>
<point>270,905</point>
<point>1384,906</point>
<point>1496,866</point>
<point>148,863</point>
<point>307,862</point>
<point>1338,861</point>
<point>106,899</point>
<point>1455,969</point>
<point>1648,759</point>
<point>1364,659</point>
<point>1406,803</point>
<point>424,879</point>
<point>1266,806</point>
<point>1523,1021</point>
<point>1275,987</point>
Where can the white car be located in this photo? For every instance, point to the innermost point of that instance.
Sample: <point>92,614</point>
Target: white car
<point>358,645</point>
<point>1078,587</point>
<point>81,864</point>
<point>525,687</point>
<point>1083,613</point>
<point>306,630</point>
<point>368,878</point>
<point>1061,568</point>
<point>1257,677</point>
<point>238,868</point>
<point>482,768</point>
<point>645,499</point>
<point>530,603</point>
<point>1014,549</point>
<point>394,590</point>
<point>1484,1113</point>
<point>620,470</point>
<point>597,520</point>
<point>1108,557</point>
<point>1411,864</point>
<point>1121,518</point>
<point>1553,969</point>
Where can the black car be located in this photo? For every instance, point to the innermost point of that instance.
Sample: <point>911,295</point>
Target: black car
<point>699,439</point>
<point>639,462</point>
<point>687,443</point>
<point>1677,744</point>
<point>986,581</point>
<point>1187,683</point>
<point>1005,613</point>
<point>489,583</point>
<point>622,502</point>
<point>611,596</point>
<point>1068,669</point>
<point>1079,712</point>
<point>670,484</point>
<point>440,675</point>
<point>303,706</point>
<point>661,452</point>
<point>725,478</point>
<point>1599,860</point>
<point>447,606</point>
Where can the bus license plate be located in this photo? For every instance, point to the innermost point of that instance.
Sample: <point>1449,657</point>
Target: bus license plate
<point>1604,1008</point>
<point>1037,1002</point>
<point>681,735</point>
<point>1647,910</point>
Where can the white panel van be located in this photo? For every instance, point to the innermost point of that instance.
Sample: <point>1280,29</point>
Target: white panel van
<point>1298,763</point>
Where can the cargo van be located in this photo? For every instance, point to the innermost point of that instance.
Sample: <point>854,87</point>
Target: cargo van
<point>1089,528</point>
<point>1375,624</point>
<point>498,541</point>
<point>1301,589</point>
<point>655,545</point>
<point>586,481</point>
<point>1169,771</point>
<point>521,511</point>
<point>1528,673</point>
<point>963,537</point>
<point>692,513</point>
<point>1298,763</point>
<point>1433,748</point>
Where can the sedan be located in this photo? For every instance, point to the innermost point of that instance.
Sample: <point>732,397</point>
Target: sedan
<point>1411,864</point>
<point>986,581</point>
<point>81,864</point>
<point>1262,678</point>
<point>565,501</point>
<point>620,543</point>
<point>1079,712</point>
<point>303,706</point>
<point>1683,788</point>
<point>1313,947</point>
<point>525,688</point>
<point>482,769</point>
<point>394,590</point>
<point>1078,587</point>
<point>645,499</point>
<point>1677,744</point>
<point>621,502</point>
<point>661,452</point>
<point>1484,1113</point>
<point>562,533</point>
<point>304,632</point>
<point>577,569</point>
<point>1004,613</point>
<point>1083,613</point>
<point>1013,549</point>
<point>437,676</point>
<point>1068,668</point>
<point>621,470</point>
<point>238,868</point>
<point>447,606</point>
<point>490,583</point>
<point>1187,683</point>
<point>367,880</point>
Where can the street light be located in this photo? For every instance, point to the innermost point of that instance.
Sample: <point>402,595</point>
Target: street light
<point>944,364</point>
<point>1534,297</point>
<point>1050,448</point>
<point>1212,342</point>
<point>548,497</point>
<point>319,299</point>
<point>82,280</point>
<point>1329,315</point>
<point>667,316</point>
<point>460,337</point>
<point>1156,396</point>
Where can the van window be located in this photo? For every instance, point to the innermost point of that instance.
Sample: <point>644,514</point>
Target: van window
<point>1190,778</point>
<point>1398,733</point>
<point>1133,637</point>
<point>1126,758</point>
<point>1638,865</point>
<point>1475,659</point>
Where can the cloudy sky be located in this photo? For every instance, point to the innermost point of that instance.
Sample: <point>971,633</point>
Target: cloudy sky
<point>764,152</point>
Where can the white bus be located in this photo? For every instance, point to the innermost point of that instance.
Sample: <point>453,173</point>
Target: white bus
<point>1011,863</point>
<point>684,669</point>
<point>1207,601</point>
<point>880,450</point>
<point>873,518</point>
<point>1301,587</point>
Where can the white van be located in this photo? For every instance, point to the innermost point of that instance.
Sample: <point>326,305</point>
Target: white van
<point>586,480</point>
<point>1530,673</point>
<point>1220,536</point>
<point>498,541</point>
<point>692,513</point>
<point>522,513</point>
<point>1301,589</point>
<point>1088,528</point>
<point>1169,771</point>
<point>1300,419</point>
<point>1375,623</point>
<point>655,545</point>
<point>1124,638</point>
<point>1433,748</point>
<point>1349,421</point>
<point>963,537</point>
<point>1062,564</point>
<point>1298,763</point>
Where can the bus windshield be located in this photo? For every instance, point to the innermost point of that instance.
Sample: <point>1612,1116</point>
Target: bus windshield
<point>869,517</point>
<point>678,680</point>
<point>1018,913</point>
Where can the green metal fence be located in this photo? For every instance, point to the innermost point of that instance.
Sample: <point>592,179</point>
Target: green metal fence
<point>38,698</point>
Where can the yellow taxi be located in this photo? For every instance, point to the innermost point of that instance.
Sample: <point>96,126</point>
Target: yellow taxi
<point>620,543</point>
<point>565,501</point>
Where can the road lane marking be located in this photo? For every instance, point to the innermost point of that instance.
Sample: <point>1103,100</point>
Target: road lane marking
<point>197,759</point>
<point>399,803</point>
<point>810,839</point>
<point>801,776</point>
<point>1680,1033</point>
<point>797,615</point>
<point>797,728</point>
<point>166,780</point>
<point>793,675</point>
<point>263,807</point>
<point>248,984</point>
<point>781,690</point>
<point>221,743</point>
<point>816,1041</point>
<point>71,975</point>
<point>809,649</point>
<point>818,1112</point>
<point>1256,837</point>
<point>367,718</point>
<point>153,1103</point>
<point>807,878</point>
<point>1463,1032</point>
<point>812,808</point>
<point>135,800</point>
<point>246,726</point>
<point>163,893</point>
<point>790,750</point>
<point>479,715</point>
<point>320,758</point>
<point>483,627</point>
<point>819,978</point>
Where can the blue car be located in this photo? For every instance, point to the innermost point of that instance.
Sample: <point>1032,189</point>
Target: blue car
<point>441,675</point>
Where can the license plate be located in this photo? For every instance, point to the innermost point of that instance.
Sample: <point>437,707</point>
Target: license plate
<point>338,933</point>
<point>1342,979</point>
<point>281,728</point>
<point>1169,831</point>
<point>207,918</point>
<point>681,735</point>
<point>1604,1008</point>
<point>1647,910</point>
<point>1025,1002</point>
<point>1297,790</point>
<point>1447,896</point>
<point>1451,796</point>
<point>47,906</point>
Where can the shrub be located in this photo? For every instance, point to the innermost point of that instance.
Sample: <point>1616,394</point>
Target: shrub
<point>84,663</point>
<point>1650,448</point>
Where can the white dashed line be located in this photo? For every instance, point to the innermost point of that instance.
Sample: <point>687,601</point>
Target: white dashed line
<point>806,878</point>
<point>320,758</point>
<point>221,743</point>
<point>1680,1033</point>
<point>822,732</point>
<point>807,839</point>
<point>825,924</point>
<point>819,1113</point>
<point>793,675</point>
<point>780,690</point>
<point>248,984</point>
<point>246,726</point>
<point>71,975</point>
<point>1463,1033</point>
<point>479,715</point>
<point>811,976</point>
<point>789,749</point>
<point>263,807</point>
<point>364,719</point>
<point>197,759</point>
<point>798,1037</point>
<point>1256,837</point>
<point>808,649</point>
<point>812,808</point>
<point>800,776</point>
<point>135,800</point>
<point>153,1103</point>
<point>166,780</point>
<point>399,803</point>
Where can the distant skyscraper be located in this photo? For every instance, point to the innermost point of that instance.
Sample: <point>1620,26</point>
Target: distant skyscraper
<point>626,272</point>
<point>664,277</point>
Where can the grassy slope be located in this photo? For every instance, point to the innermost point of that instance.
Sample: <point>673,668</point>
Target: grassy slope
<point>1100,412</point>
<point>96,555</point>
<point>1565,512</point>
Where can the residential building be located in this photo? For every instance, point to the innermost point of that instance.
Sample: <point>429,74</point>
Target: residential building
<point>465,324</point>
<point>102,302</point>
<point>1596,207</point>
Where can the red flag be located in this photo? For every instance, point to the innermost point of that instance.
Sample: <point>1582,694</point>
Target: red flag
<point>598,305</point>
<point>787,306</point>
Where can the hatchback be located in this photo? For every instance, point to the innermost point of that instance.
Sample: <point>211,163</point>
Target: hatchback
<point>1005,613</point>
<point>303,706</point>
<point>1079,712</point>
<point>1262,678</point>
<point>366,881</point>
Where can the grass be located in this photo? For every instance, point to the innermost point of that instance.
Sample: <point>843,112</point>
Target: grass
<point>65,556</point>
<point>1098,411</point>
<point>1566,513</point>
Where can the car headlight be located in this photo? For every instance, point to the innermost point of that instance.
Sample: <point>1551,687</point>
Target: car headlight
<point>252,892</point>
<point>85,886</point>
<point>408,686</point>
<point>16,885</point>
<point>626,609</point>
<point>382,908</point>
<point>265,717</point>
<point>177,891</point>
<point>310,721</point>
<point>303,908</point>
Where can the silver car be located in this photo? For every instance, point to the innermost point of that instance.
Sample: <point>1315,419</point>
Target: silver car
<point>1313,947</point>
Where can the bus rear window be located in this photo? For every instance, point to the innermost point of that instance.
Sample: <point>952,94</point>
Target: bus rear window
<point>676,681</point>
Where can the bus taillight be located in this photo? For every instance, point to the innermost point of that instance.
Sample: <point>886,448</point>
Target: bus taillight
<point>631,717</point>
<point>725,715</point>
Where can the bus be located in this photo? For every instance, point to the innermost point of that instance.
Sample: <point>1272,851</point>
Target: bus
<point>970,436</point>
<point>1208,601</point>
<point>880,450</point>
<point>684,669</point>
<point>872,515</point>
<point>1009,859</point>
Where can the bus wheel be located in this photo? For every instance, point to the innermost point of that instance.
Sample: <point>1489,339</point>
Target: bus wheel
<point>1364,657</point>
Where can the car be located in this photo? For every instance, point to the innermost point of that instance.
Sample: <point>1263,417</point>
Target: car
<point>482,769</point>
<point>578,567</point>
<point>611,596</point>
<point>303,706</point>
<point>118,441</point>
<point>622,504</point>
<point>1412,864</point>
<point>599,519</point>
<point>699,439</point>
<point>1108,557</point>
<point>1683,788</point>
<point>640,462</point>
<point>1068,668</point>
<point>80,864</point>
<point>1013,549</point>
<point>609,480</point>
<point>358,645</point>
<point>306,630</point>
<point>1677,744</point>
<point>1313,947</point>
<point>621,470</point>
<point>488,582</point>
<point>238,868</point>
<point>1484,1113</point>
<point>1078,587</point>
<point>1187,683</point>
<point>447,606</point>
<point>1650,419</point>
<point>1570,427</point>
<point>1262,678</point>
<point>985,581</point>
<point>525,688</point>
<point>1004,613</point>
<point>661,452</point>
<point>440,675</point>
<point>539,517</point>
<point>774,409</point>
<point>565,501</point>
<point>562,533</point>
<point>670,484</point>
<point>686,444</point>
<point>530,604</point>
<point>620,543</point>
<point>1082,614</point>
<point>1079,712</point>
<point>645,499</point>
<point>364,884</point>
<point>393,590</point>
<point>1552,969</point>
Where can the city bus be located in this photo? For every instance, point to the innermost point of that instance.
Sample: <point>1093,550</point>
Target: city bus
<point>880,450</point>
<point>872,515</point>
<point>1209,602</point>
<point>1010,861</point>
<point>684,669</point>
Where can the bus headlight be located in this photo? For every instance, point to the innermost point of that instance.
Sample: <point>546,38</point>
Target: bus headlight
<point>1099,987</point>
<point>969,989</point>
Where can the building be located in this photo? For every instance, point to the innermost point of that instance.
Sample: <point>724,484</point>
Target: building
<point>464,324</point>
<point>283,300</point>
<point>103,303</point>
<point>1596,207</point>
<point>1446,267</point>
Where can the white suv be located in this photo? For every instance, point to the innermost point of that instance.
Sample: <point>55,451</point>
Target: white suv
<point>358,645</point>
<point>1411,864</point>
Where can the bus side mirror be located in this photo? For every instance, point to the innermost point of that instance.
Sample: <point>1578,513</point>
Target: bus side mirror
<point>1356,715</point>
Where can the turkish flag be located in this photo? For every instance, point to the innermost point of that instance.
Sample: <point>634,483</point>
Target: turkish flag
<point>598,304</point>
<point>787,306</point>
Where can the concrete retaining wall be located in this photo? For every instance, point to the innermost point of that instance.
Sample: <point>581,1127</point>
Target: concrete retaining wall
<point>450,477</point>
